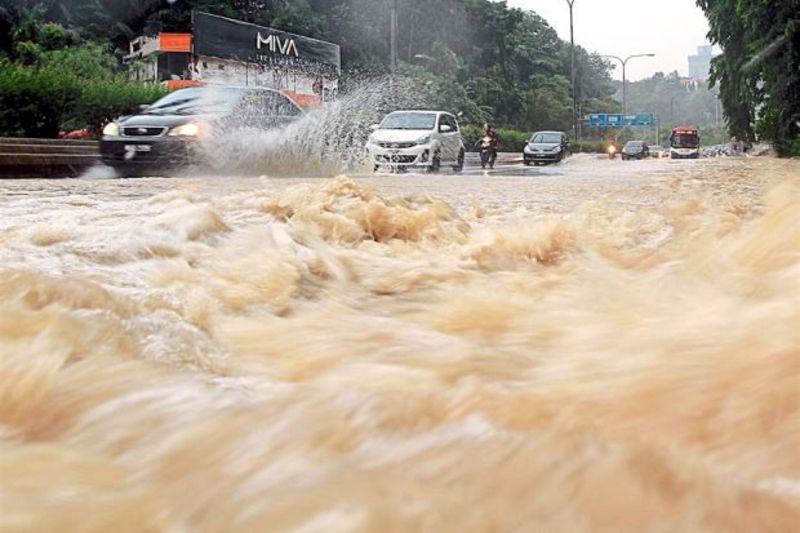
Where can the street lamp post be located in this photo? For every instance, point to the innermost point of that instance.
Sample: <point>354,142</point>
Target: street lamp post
<point>574,89</point>
<point>672,108</point>
<point>393,39</point>
<point>624,63</point>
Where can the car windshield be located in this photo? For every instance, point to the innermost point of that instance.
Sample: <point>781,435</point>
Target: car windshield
<point>546,138</point>
<point>409,121</point>
<point>255,104</point>
<point>195,101</point>
<point>634,144</point>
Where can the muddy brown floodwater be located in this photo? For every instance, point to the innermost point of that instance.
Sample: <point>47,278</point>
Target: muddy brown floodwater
<point>602,347</point>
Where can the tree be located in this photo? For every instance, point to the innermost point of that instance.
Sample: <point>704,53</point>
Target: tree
<point>758,72</point>
<point>480,57</point>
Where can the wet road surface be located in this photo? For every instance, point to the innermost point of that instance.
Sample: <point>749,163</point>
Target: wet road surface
<point>597,345</point>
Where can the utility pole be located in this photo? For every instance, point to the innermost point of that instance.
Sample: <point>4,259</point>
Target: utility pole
<point>624,63</point>
<point>574,88</point>
<point>393,40</point>
<point>672,108</point>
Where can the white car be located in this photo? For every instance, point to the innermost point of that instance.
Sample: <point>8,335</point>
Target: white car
<point>417,139</point>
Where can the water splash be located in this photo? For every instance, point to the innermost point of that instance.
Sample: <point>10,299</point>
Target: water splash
<point>329,140</point>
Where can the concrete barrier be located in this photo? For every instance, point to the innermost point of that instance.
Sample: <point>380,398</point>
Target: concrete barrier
<point>46,158</point>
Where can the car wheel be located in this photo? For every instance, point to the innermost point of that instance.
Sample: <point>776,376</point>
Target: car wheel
<point>376,168</point>
<point>526,162</point>
<point>436,163</point>
<point>459,166</point>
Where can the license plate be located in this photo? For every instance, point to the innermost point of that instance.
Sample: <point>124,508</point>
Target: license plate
<point>137,147</point>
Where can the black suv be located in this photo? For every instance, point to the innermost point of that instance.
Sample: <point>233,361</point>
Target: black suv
<point>176,132</point>
<point>546,147</point>
<point>635,150</point>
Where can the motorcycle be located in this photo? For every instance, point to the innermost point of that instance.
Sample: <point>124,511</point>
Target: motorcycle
<point>488,152</point>
<point>612,151</point>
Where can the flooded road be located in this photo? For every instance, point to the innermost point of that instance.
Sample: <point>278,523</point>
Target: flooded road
<point>595,346</point>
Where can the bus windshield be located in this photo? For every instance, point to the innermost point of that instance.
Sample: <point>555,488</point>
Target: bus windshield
<point>685,140</point>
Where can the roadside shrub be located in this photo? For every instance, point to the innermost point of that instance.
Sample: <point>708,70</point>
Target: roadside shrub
<point>103,100</point>
<point>510,140</point>
<point>515,141</point>
<point>42,100</point>
<point>588,147</point>
<point>46,91</point>
<point>33,100</point>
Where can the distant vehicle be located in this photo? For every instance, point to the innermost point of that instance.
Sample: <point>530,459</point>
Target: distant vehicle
<point>75,135</point>
<point>635,150</point>
<point>658,152</point>
<point>546,147</point>
<point>417,139</point>
<point>684,143</point>
<point>612,150</point>
<point>173,133</point>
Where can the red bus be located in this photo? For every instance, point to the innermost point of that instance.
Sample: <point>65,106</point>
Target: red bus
<point>684,143</point>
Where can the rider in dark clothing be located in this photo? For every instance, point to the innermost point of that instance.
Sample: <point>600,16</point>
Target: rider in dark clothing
<point>494,143</point>
<point>488,131</point>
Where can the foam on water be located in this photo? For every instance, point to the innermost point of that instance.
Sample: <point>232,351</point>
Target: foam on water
<point>603,350</point>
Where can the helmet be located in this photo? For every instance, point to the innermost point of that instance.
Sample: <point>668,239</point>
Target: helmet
<point>487,126</point>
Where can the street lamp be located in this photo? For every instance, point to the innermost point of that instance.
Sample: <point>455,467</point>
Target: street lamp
<point>624,79</point>
<point>672,107</point>
<point>393,39</point>
<point>570,3</point>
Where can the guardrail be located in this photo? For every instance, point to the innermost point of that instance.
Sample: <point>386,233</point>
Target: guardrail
<point>46,158</point>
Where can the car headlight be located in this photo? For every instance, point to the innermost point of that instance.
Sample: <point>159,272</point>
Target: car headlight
<point>191,129</point>
<point>111,129</point>
<point>424,140</point>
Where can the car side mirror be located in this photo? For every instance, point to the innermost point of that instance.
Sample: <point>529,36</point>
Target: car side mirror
<point>144,107</point>
<point>444,128</point>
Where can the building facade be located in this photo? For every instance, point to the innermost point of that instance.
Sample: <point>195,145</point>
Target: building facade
<point>700,63</point>
<point>223,51</point>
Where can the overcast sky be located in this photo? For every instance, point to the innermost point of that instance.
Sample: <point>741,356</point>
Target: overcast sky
<point>671,29</point>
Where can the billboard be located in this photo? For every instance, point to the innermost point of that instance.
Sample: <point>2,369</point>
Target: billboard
<point>232,52</point>
<point>226,38</point>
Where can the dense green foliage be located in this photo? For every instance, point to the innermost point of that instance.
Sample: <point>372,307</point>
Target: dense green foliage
<point>674,101</point>
<point>482,58</point>
<point>52,80</point>
<point>759,71</point>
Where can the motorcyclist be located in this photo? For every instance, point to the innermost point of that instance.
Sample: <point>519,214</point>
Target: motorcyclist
<point>612,149</point>
<point>490,140</point>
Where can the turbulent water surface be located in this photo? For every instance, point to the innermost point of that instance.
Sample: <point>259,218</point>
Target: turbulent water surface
<point>605,346</point>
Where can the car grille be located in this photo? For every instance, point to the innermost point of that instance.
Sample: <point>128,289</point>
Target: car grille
<point>143,131</point>
<point>396,145</point>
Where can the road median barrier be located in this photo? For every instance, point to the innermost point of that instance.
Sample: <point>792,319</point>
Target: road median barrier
<point>46,158</point>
